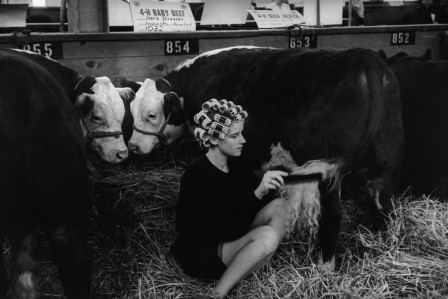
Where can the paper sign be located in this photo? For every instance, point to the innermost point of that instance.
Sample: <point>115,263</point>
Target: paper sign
<point>220,12</point>
<point>276,19</point>
<point>13,15</point>
<point>153,16</point>
<point>330,12</point>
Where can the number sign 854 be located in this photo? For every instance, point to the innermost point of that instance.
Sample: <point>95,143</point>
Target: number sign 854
<point>181,46</point>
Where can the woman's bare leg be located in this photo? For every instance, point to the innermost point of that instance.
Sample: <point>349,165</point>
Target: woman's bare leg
<point>245,255</point>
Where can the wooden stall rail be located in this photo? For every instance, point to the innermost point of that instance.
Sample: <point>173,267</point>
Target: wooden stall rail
<point>137,56</point>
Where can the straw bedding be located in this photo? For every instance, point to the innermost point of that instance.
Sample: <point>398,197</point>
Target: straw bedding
<point>132,227</point>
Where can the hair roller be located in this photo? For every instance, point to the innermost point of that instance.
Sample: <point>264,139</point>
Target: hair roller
<point>222,119</point>
<point>211,104</point>
<point>216,133</point>
<point>240,116</point>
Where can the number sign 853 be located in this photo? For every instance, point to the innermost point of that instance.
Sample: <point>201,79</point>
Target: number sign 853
<point>304,41</point>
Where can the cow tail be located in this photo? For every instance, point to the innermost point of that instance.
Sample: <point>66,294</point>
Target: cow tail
<point>303,197</point>
<point>304,207</point>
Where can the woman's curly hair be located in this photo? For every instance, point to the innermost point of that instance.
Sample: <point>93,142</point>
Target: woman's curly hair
<point>215,119</point>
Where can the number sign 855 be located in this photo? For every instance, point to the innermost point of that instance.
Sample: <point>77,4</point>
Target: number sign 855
<point>45,50</point>
<point>50,49</point>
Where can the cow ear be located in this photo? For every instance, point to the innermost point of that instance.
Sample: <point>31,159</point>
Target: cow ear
<point>382,54</point>
<point>84,104</point>
<point>135,86</point>
<point>427,55</point>
<point>173,104</point>
<point>126,93</point>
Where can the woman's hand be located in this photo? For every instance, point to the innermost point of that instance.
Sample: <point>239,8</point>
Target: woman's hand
<point>272,179</point>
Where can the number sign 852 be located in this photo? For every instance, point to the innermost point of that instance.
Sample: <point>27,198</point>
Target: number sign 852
<point>402,38</point>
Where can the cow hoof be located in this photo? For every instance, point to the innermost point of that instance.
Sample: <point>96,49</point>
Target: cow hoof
<point>327,267</point>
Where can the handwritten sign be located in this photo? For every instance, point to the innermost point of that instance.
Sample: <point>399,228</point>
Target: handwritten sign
<point>153,16</point>
<point>275,19</point>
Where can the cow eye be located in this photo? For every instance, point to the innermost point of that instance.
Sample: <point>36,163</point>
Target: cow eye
<point>152,116</point>
<point>95,118</point>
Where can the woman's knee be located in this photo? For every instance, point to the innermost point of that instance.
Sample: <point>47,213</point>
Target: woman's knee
<point>275,211</point>
<point>268,238</point>
<point>279,216</point>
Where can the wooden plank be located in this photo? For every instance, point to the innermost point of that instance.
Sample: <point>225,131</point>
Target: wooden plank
<point>87,16</point>
<point>264,41</point>
<point>353,40</point>
<point>424,40</point>
<point>8,45</point>
<point>92,49</point>
<point>103,49</point>
<point>145,66</point>
<point>132,36</point>
<point>137,59</point>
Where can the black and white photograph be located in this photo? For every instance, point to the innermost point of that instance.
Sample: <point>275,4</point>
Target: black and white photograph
<point>201,149</point>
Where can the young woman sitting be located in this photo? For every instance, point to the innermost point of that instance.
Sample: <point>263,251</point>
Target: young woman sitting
<point>228,222</point>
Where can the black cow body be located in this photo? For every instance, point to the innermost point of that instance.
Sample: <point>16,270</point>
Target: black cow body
<point>43,178</point>
<point>338,107</point>
<point>424,96</point>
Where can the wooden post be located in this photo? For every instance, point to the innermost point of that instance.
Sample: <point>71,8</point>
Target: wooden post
<point>61,15</point>
<point>318,12</point>
<point>87,16</point>
<point>349,13</point>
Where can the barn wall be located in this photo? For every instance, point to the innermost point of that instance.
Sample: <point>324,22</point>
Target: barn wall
<point>137,56</point>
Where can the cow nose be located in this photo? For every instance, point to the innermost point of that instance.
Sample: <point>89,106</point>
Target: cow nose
<point>122,155</point>
<point>133,147</point>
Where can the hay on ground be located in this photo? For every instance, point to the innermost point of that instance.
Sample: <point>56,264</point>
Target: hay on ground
<point>132,228</point>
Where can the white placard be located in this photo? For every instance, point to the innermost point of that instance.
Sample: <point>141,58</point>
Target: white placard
<point>276,19</point>
<point>153,16</point>
<point>330,12</point>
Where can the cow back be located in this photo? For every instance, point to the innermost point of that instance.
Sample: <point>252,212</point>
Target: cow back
<point>424,94</point>
<point>43,176</point>
<point>318,104</point>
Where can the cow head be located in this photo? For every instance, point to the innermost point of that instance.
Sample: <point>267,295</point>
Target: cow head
<point>157,113</point>
<point>101,108</point>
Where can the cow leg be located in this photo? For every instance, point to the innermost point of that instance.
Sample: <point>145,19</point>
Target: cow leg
<point>68,246</point>
<point>3,275</point>
<point>380,201</point>
<point>329,223</point>
<point>25,266</point>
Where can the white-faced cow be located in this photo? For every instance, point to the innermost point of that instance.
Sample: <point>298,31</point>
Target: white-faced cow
<point>424,95</point>
<point>43,178</point>
<point>98,103</point>
<point>327,112</point>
